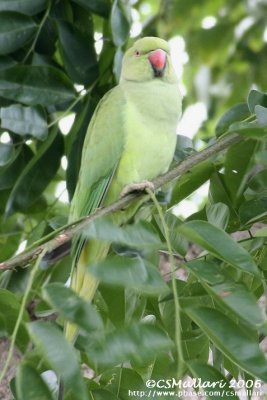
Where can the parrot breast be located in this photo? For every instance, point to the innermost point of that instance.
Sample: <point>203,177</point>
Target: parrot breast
<point>150,121</point>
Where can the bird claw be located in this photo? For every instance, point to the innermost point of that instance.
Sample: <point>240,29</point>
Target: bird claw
<point>137,187</point>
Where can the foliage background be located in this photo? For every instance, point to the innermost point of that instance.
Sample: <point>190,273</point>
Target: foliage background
<point>58,58</point>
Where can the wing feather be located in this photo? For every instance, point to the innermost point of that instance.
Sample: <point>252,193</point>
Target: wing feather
<point>103,146</point>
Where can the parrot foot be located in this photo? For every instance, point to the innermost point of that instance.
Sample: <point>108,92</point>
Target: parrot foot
<point>137,187</point>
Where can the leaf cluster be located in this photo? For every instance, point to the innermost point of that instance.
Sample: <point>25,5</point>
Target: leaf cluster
<point>146,322</point>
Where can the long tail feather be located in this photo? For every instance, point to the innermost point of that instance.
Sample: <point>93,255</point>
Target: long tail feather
<point>83,282</point>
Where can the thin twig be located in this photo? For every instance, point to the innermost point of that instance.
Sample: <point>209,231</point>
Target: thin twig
<point>31,49</point>
<point>177,308</point>
<point>66,233</point>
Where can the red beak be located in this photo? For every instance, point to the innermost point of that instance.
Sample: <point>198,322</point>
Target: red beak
<point>158,60</point>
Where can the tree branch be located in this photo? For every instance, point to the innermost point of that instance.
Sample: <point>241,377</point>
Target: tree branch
<point>67,233</point>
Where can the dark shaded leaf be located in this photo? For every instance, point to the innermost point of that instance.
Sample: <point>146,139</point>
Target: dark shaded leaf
<point>25,120</point>
<point>6,62</point>
<point>9,309</point>
<point>191,181</point>
<point>236,113</point>
<point>256,98</point>
<point>78,54</point>
<point>27,7</point>
<point>10,237</point>
<point>30,386</point>
<point>15,30</point>
<point>231,340</point>
<point>34,178</point>
<point>6,153</point>
<point>135,273</point>
<point>33,85</point>
<point>55,349</point>
<point>238,161</point>
<point>101,7</point>
<point>253,210</point>
<point>10,172</point>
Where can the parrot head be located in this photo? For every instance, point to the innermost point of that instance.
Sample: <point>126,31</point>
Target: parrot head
<point>148,59</point>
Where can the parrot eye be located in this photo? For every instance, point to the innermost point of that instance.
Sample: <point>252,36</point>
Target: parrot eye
<point>137,53</point>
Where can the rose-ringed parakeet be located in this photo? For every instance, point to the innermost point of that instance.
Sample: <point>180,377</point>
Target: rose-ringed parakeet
<point>130,140</point>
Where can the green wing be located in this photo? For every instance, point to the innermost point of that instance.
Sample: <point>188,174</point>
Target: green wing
<point>103,146</point>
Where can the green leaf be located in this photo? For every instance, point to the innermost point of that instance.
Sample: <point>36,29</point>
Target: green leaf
<point>101,7</point>
<point>178,242</point>
<point>10,173</point>
<point>135,273</point>
<point>210,375</point>
<point>15,30</point>
<point>122,380</point>
<point>9,309</point>
<point>6,62</point>
<point>100,394</point>
<point>261,114</point>
<point>35,84</point>
<point>227,292</point>
<point>249,129</point>
<point>10,237</point>
<point>34,178</point>
<point>231,340</point>
<point>257,186</point>
<point>191,181</point>
<point>6,153</point>
<point>139,235</point>
<point>218,214</point>
<point>29,384</point>
<point>55,349</point>
<point>139,343</point>
<point>253,210</point>
<point>120,22</point>
<point>218,243</point>
<point>78,53</point>
<point>184,147</point>
<point>238,161</point>
<point>234,114</point>
<point>256,98</point>
<point>74,308</point>
<point>218,193</point>
<point>195,345</point>
<point>25,120</point>
<point>27,7</point>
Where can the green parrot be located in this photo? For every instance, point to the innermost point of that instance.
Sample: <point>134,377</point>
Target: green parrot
<point>130,141</point>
